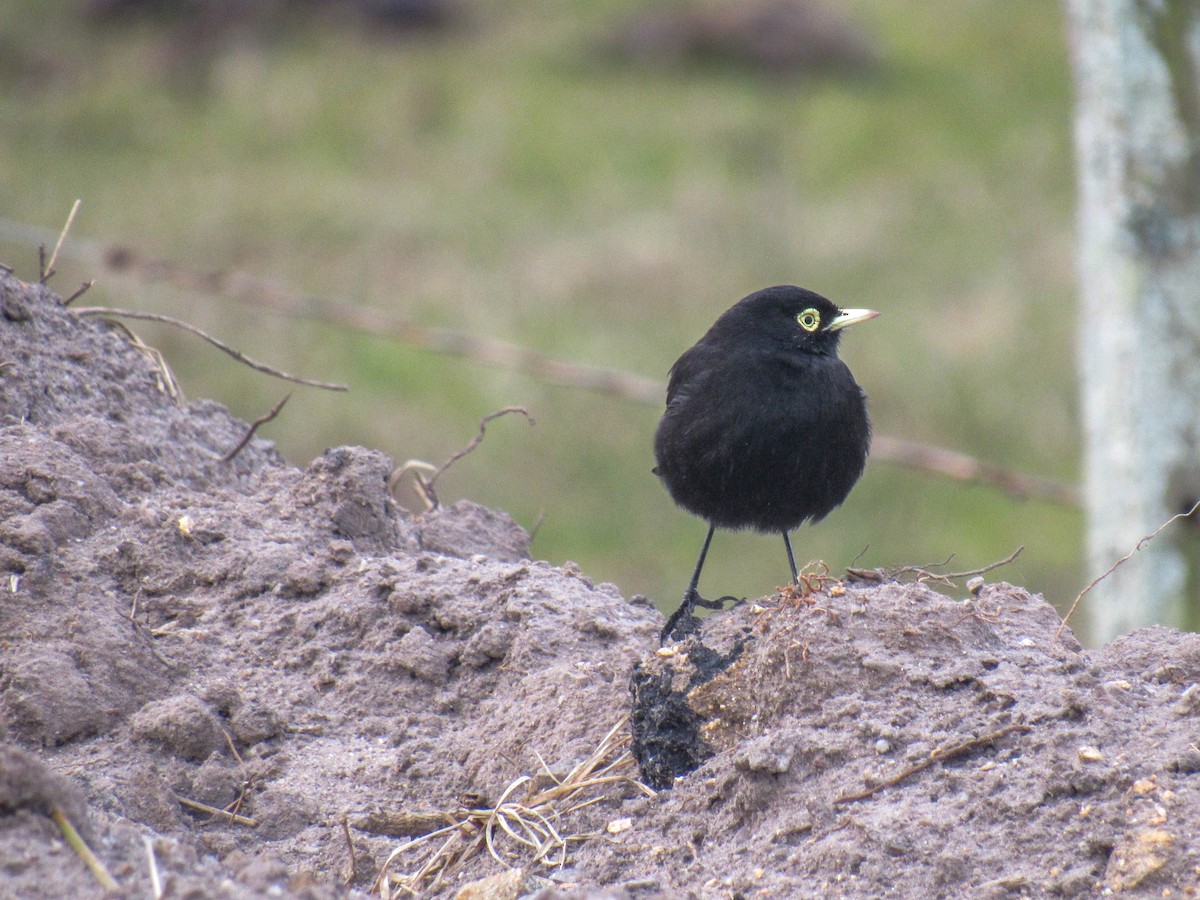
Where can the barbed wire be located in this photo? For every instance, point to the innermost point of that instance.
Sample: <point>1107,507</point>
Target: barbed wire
<point>269,296</point>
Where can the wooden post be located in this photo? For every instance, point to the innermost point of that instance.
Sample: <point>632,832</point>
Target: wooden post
<point>1137,142</point>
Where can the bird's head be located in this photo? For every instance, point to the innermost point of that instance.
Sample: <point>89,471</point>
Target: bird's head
<point>800,318</point>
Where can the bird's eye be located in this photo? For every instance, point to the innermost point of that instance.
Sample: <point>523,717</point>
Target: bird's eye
<point>810,320</point>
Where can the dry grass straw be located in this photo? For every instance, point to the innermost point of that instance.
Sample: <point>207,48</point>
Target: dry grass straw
<point>47,266</point>
<point>156,888</point>
<point>79,845</point>
<point>532,827</point>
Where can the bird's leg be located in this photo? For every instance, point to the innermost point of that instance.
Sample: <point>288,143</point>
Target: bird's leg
<point>787,542</point>
<point>691,597</point>
<point>682,621</point>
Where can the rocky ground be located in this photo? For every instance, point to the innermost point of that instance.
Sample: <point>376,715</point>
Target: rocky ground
<point>242,679</point>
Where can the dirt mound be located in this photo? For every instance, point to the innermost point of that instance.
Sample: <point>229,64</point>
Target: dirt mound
<point>891,741</point>
<point>179,633</point>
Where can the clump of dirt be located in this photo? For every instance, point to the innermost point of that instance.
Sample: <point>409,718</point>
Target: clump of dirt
<point>246,679</point>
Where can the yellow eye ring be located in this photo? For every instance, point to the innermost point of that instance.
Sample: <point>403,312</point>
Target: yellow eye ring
<point>810,319</point>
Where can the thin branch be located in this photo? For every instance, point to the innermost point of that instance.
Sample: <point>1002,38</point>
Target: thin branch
<point>233,749</point>
<point>537,525</point>
<point>988,568</point>
<point>350,872</point>
<point>1124,559</point>
<point>427,486</point>
<point>48,268</point>
<point>935,756</point>
<point>80,291</point>
<point>923,573</point>
<point>220,345</point>
<point>962,467</point>
<point>261,420</point>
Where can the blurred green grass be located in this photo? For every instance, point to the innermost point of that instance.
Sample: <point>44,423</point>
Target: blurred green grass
<point>510,181</point>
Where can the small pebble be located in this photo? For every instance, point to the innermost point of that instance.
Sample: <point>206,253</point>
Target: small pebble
<point>616,826</point>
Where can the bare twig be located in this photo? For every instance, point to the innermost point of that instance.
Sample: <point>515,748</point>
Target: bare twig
<point>46,268</point>
<point>537,525</point>
<point>232,748</point>
<point>1124,559</point>
<point>923,573</point>
<point>261,420</point>
<point>427,486</point>
<point>235,807</point>
<point>406,823</point>
<point>988,568</point>
<point>961,467</point>
<point>350,871</point>
<point>54,257</point>
<point>80,291</point>
<point>77,843</point>
<point>141,631</point>
<point>936,755</point>
<point>220,345</point>
<point>219,813</point>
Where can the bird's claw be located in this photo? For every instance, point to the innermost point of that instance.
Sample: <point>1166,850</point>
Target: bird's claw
<point>682,622</point>
<point>713,604</point>
<point>679,626</point>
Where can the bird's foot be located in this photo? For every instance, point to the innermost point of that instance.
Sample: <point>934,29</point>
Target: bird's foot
<point>719,603</point>
<point>683,623</point>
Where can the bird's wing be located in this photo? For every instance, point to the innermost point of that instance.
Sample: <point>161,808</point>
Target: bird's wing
<point>686,375</point>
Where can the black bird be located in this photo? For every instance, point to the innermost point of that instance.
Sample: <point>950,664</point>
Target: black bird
<point>765,427</point>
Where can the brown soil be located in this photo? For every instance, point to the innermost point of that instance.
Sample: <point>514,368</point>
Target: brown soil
<point>289,645</point>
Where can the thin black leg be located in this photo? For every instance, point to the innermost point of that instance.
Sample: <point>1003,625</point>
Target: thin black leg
<point>787,542</point>
<point>682,620</point>
<point>695,582</point>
